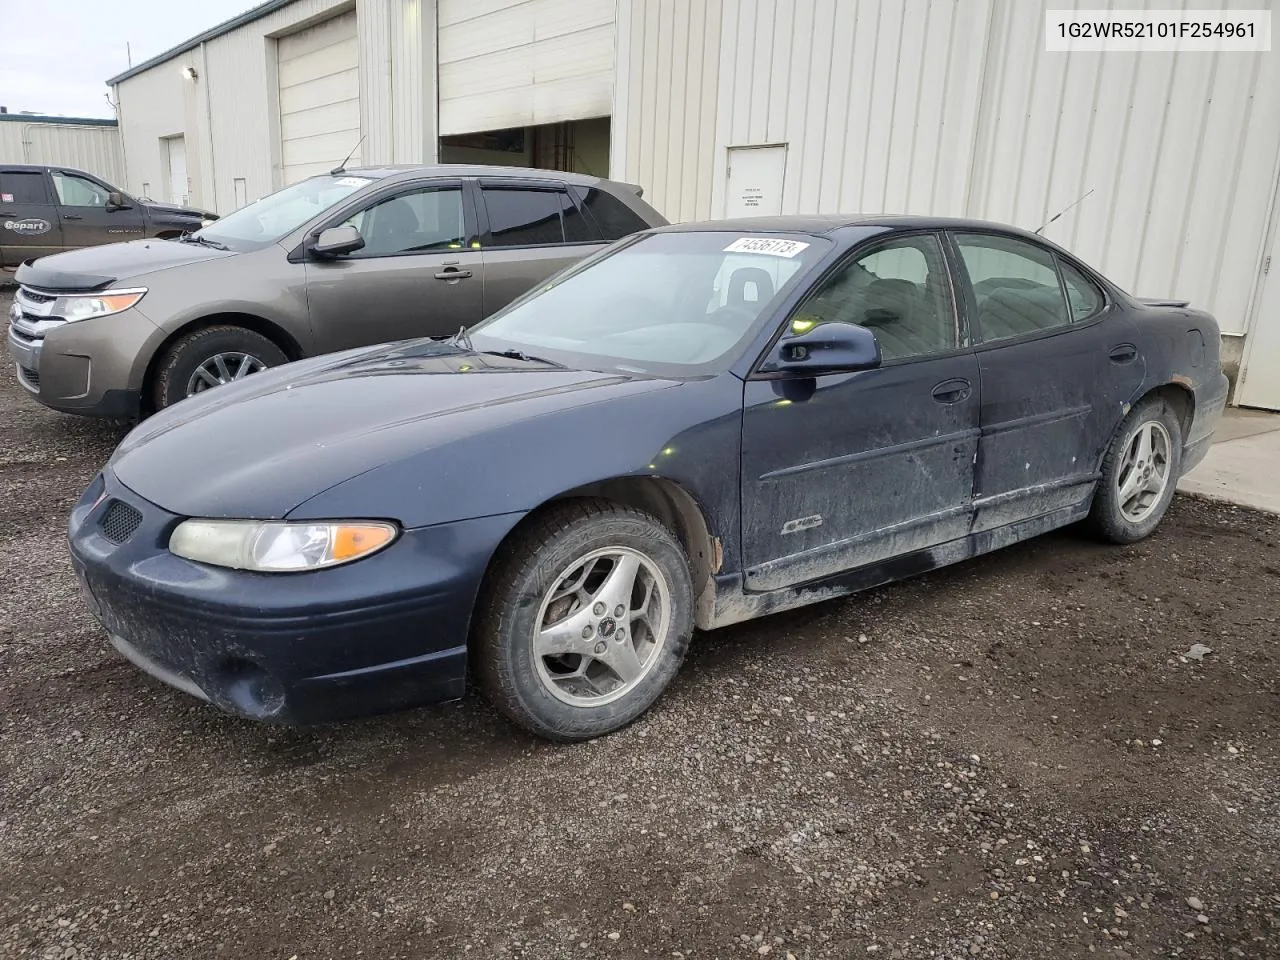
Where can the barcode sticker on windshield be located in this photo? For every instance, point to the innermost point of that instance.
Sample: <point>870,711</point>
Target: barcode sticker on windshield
<point>352,181</point>
<point>773,246</point>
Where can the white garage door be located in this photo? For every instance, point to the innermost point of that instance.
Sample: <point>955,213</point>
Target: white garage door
<point>515,63</point>
<point>319,97</point>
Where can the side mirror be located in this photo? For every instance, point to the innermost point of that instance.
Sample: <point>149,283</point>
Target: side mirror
<point>117,201</point>
<point>833,347</point>
<point>336,241</point>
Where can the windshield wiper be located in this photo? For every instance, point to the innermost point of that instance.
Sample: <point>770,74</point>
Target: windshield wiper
<point>521,355</point>
<point>461,339</point>
<point>203,241</point>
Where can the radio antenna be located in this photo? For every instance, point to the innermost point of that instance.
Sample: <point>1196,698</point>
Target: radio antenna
<point>342,167</point>
<point>1064,210</point>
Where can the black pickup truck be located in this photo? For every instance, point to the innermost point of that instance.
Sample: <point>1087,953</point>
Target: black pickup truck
<point>46,209</point>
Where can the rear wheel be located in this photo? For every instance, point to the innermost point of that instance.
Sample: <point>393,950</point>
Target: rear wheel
<point>1139,474</point>
<point>210,357</point>
<point>585,620</point>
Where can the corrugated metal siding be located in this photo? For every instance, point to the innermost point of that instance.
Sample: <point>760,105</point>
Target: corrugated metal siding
<point>953,107</point>
<point>1180,150</point>
<point>512,63</point>
<point>230,115</point>
<point>95,149</point>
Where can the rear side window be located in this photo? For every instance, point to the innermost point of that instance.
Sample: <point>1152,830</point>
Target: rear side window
<point>1082,294</point>
<point>1015,284</point>
<point>615,219</point>
<point>23,186</point>
<point>577,227</point>
<point>521,218</point>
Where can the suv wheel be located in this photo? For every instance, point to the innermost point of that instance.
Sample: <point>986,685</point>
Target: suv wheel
<point>209,358</point>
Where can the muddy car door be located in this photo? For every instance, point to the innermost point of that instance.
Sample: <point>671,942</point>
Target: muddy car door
<point>848,469</point>
<point>28,219</point>
<point>89,217</point>
<point>1057,367</point>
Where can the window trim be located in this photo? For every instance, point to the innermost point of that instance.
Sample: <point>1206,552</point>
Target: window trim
<point>527,184</point>
<point>966,284</point>
<point>357,204</point>
<point>50,197</point>
<point>861,249</point>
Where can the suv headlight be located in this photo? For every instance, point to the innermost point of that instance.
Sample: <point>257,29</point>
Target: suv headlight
<point>278,546</point>
<point>89,305</point>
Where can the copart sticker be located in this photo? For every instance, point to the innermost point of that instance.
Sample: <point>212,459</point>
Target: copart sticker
<point>773,246</point>
<point>29,227</point>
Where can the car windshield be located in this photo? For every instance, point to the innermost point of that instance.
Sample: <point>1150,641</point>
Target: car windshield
<point>267,220</point>
<point>669,304</point>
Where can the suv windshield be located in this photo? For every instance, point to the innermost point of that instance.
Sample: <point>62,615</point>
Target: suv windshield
<point>267,220</point>
<point>669,304</point>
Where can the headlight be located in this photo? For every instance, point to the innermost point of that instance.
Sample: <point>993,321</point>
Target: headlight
<point>277,546</point>
<point>97,304</point>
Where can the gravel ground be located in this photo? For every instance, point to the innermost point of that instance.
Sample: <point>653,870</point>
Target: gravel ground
<point>1005,759</point>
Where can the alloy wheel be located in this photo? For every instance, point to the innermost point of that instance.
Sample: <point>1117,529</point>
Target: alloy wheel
<point>223,368</point>
<point>601,626</point>
<point>1144,471</point>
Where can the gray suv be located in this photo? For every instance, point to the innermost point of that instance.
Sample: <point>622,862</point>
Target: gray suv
<point>352,258</point>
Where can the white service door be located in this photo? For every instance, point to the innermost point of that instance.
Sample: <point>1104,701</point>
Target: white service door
<point>1260,386</point>
<point>179,190</point>
<point>755,181</point>
<point>319,97</point>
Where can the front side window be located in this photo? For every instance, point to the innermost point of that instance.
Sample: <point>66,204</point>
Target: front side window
<point>615,218</point>
<point>1015,286</point>
<point>76,191</point>
<point>417,222</point>
<point>899,290</point>
<point>22,186</point>
<point>523,218</point>
<point>679,304</point>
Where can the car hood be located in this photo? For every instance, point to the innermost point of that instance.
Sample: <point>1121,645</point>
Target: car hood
<point>259,448</point>
<point>93,268</point>
<point>170,210</point>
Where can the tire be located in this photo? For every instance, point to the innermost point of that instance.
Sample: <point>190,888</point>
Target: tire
<point>176,374</point>
<point>589,685</point>
<point>1120,518</point>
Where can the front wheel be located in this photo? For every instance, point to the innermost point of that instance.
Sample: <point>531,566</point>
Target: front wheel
<point>1139,474</point>
<point>584,621</point>
<point>210,357</point>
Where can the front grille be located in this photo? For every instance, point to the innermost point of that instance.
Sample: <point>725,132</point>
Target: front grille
<point>29,378</point>
<point>120,521</point>
<point>32,297</point>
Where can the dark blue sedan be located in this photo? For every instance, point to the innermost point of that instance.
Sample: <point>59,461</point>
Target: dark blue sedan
<point>700,425</point>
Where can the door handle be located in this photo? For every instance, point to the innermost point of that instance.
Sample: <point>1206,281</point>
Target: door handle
<point>952,391</point>
<point>1124,353</point>
<point>453,273</point>
<point>7,213</point>
<point>72,216</point>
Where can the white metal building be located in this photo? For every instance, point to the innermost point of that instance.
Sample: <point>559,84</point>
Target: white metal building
<point>733,107</point>
<point>85,144</point>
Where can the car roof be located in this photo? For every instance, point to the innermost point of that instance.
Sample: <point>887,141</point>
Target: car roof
<point>825,224</point>
<point>408,171</point>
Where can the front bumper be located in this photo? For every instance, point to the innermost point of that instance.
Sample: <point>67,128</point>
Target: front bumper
<point>88,367</point>
<point>376,635</point>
